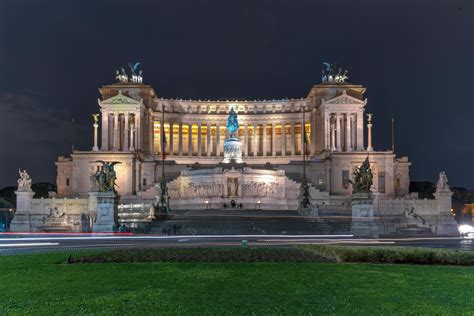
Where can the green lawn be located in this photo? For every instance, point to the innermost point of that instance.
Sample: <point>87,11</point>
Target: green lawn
<point>42,285</point>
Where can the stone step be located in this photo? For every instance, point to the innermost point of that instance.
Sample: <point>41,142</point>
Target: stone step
<point>254,225</point>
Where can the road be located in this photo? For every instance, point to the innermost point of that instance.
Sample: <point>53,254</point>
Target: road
<point>11,243</point>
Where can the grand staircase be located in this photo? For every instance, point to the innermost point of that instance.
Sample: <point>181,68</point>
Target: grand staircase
<point>230,221</point>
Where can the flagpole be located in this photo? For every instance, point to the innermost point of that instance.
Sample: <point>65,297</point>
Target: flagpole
<point>393,134</point>
<point>162,142</point>
<point>304,143</point>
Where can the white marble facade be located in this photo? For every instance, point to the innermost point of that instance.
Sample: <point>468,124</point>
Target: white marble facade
<point>134,121</point>
<point>132,126</point>
<point>253,188</point>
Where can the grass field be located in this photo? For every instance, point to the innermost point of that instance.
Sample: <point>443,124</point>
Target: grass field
<point>43,284</point>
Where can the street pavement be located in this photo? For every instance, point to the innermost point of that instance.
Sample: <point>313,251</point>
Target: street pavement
<point>13,243</point>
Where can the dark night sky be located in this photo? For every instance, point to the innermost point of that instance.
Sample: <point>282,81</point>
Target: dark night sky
<point>415,57</point>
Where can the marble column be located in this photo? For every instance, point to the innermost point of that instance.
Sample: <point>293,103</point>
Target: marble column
<point>125,131</point>
<point>293,139</point>
<point>218,140</point>
<point>312,133</point>
<point>264,139</point>
<point>116,131</point>
<point>348,132</point>
<point>303,131</point>
<point>171,140</point>
<point>360,130</point>
<point>369,133</point>
<point>327,131</point>
<point>353,131</point>
<point>138,131</point>
<point>190,139</point>
<point>338,132</point>
<point>273,139</point>
<point>208,140</point>
<point>132,137</point>
<point>199,140</point>
<point>151,133</point>
<point>105,130</point>
<point>333,136</point>
<point>180,139</point>
<point>246,140</point>
<point>283,139</point>
<point>96,126</point>
<point>255,141</point>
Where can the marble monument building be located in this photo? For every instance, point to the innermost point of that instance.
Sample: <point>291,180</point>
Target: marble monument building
<point>138,128</point>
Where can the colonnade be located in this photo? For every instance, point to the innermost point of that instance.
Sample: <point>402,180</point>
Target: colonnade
<point>121,131</point>
<point>344,131</point>
<point>207,139</point>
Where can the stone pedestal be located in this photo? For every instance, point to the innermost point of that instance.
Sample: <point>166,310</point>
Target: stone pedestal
<point>106,212</point>
<point>21,221</point>
<point>232,151</point>
<point>363,224</point>
<point>445,223</point>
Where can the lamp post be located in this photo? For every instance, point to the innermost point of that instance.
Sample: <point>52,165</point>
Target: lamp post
<point>163,205</point>
<point>304,197</point>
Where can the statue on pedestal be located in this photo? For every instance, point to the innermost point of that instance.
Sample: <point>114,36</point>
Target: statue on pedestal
<point>232,145</point>
<point>105,178</point>
<point>362,202</point>
<point>162,205</point>
<point>442,184</point>
<point>363,179</point>
<point>96,118</point>
<point>24,183</point>
<point>135,75</point>
<point>232,123</point>
<point>304,198</point>
<point>329,74</point>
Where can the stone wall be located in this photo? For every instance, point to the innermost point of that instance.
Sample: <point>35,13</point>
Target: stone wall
<point>53,215</point>
<point>434,214</point>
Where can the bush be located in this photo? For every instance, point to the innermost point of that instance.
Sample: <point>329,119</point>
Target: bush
<point>202,255</point>
<point>393,255</point>
<point>303,253</point>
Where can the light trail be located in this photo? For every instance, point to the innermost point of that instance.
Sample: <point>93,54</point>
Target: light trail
<point>31,244</point>
<point>92,237</point>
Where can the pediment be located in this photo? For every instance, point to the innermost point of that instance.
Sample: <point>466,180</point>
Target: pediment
<point>120,99</point>
<point>344,98</point>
